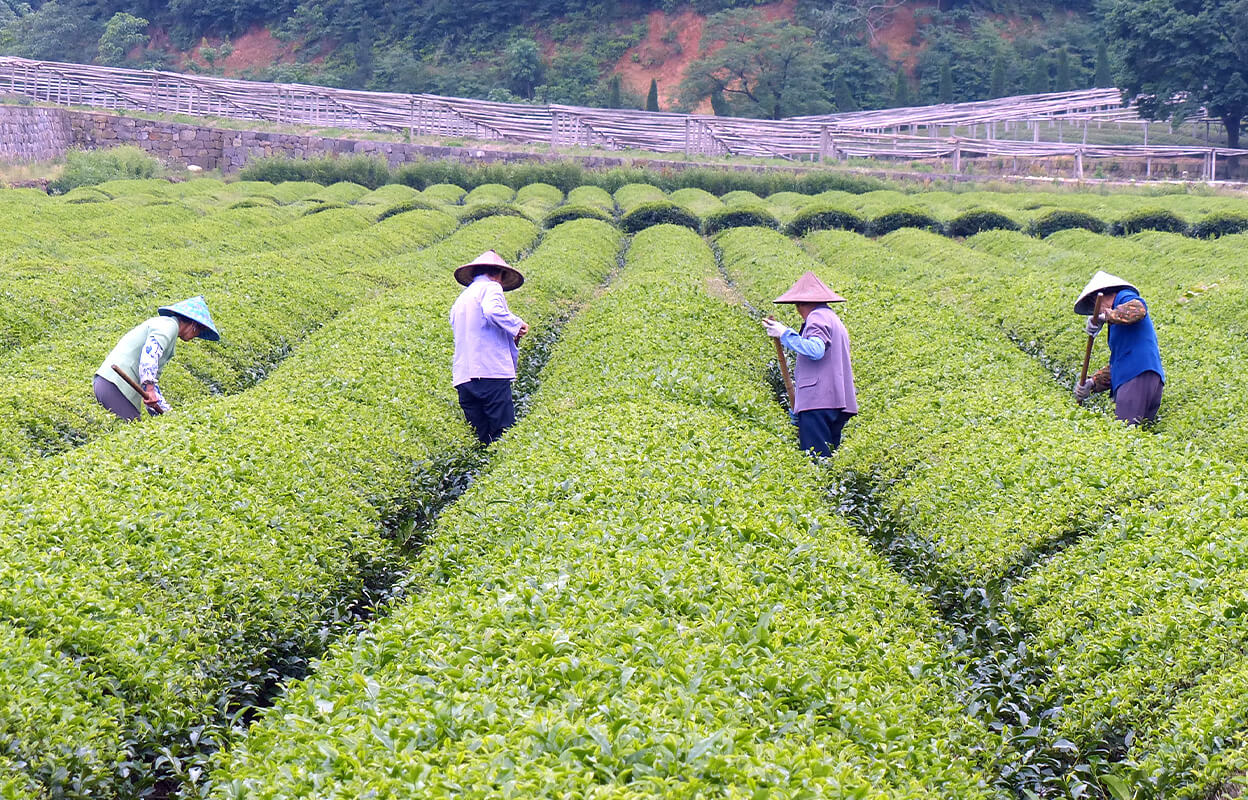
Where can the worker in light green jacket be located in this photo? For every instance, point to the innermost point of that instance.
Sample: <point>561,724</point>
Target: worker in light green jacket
<point>142,354</point>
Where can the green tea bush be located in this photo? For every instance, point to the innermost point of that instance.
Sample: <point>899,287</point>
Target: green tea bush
<point>741,197</point>
<point>256,201</point>
<point>631,195</point>
<point>447,193</point>
<point>89,167</point>
<point>821,217</point>
<point>415,204</point>
<point>389,195</point>
<point>738,216</point>
<point>495,193</point>
<point>540,197</point>
<point>1222,223</point>
<point>570,212</point>
<point>649,542</point>
<point>696,201</point>
<point>905,218</point>
<point>269,551</point>
<point>318,207</point>
<point>658,213</point>
<point>1148,219</point>
<point>969,223</point>
<point>592,196</point>
<point>367,171</point>
<point>1061,219</point>
<point>342,192</point>
<point>472,213</point>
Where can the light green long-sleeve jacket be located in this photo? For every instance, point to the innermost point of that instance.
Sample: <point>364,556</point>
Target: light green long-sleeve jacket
<point>129,351</point>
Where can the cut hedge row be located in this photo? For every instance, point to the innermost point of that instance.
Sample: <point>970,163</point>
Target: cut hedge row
<point>190,561</point>
<point>538,198</point>
<point>934,445</point>
<point>1138,621</point>
<point>659,212</point>
<point>265,303</point>
<point>739,216</point>
<point>630,196</point>
<point>592,196</point>
<point>696,201</point>
<point>822,217</point>
<point>490,193</point>
<point>644,597</point>
<point>1196,297</point>
<point>570,212</point>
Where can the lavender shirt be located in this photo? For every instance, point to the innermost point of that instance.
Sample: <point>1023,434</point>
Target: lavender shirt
<point>827,382</point>
<point>485,333</point>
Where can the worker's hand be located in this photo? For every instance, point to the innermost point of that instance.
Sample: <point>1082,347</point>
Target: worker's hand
<point>775,328</point>
<point>1083,390</point>
<point>153,400</point>
<point>524,328</point>
<point>1095,323</point>
<point>793,418</point>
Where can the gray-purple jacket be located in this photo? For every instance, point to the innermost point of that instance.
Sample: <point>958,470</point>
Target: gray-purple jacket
<point>828,382</point>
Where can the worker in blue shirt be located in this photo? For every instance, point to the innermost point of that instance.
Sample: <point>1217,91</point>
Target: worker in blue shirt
<point>1134,376</point>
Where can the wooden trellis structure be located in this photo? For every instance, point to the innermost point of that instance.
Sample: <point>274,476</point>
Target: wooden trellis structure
<point>926,132</point>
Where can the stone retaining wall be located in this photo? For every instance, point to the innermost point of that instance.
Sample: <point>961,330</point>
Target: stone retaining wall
<point>28,133</point>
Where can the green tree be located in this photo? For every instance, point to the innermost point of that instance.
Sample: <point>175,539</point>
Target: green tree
<point>901,89</point>
<point>522,65</point>
<point>946,83</point>
<point>844,96</point>
<point>1103,77</point>
<point>764,68</point>
<point>122,33</point>
<point>652,96</point>
<point>56,31</point>
<point>1038,80</point>
<point>1184,54</point>
<point>719,104</point>
<point>997,88</point>
<point>613,93</point>
<point>1062,81</point>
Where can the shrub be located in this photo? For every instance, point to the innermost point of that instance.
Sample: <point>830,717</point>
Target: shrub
<point>566,213</point>
<point>448,193</point>
<point>369,171</point>
<point>1220,223</point>
<point>658,212</point>
<point>1149,219</point>
<point>1064,219</point>
<point>255,201</point>
<point>415,204</point>
<point>905,218</point>
<point>318,207</point>
<point>86,194</point>
<point>977,220</point>
<point>822,217</point>
<point>483,210</point>
<point>89,167</point>
<point>739,217</point>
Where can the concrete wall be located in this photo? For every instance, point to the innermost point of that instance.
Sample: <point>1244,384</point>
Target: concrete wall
<point>28,133</point>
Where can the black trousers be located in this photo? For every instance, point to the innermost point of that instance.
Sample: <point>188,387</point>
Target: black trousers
<point>487,406</point>
<point>820,429</point>
<point>1139,399</point>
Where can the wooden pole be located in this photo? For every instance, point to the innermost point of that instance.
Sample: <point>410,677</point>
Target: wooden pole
<point>784,371</point>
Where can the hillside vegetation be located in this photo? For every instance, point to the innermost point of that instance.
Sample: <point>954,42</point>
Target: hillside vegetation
<point>839,55</point>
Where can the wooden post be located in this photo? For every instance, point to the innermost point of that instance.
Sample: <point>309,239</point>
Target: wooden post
<point>823,142</point>
<point>957,155</point>
<point>688,121</point>
<point>1146,133</point>
<point>554,131</point>
<point>1148,167</point>
<point>411,119</point>
<point>1085,131</point>
<point>1213,165</point>
<point>1079,164</point>
<point>1035,132</point>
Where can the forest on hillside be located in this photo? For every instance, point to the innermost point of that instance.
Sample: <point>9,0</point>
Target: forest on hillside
<point>752,59</point>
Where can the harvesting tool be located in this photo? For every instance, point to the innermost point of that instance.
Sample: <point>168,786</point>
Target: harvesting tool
<point>784,367</point>
<point>125,376</point>
<point>1087,354</point>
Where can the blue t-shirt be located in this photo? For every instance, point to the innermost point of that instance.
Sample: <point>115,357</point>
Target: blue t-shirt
<point>1132,348</point>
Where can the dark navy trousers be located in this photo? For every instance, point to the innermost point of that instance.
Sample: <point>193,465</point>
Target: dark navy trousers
<point>819,429</point>
<point>487,406</point>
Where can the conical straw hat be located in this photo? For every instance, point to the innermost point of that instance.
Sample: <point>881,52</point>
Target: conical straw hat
<point>512,279</point>
<point>195,309</point>
<point>1101,282</point>
<point>809,289</point>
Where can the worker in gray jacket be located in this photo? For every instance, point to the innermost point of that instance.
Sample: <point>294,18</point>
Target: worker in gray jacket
<point>824,396</point>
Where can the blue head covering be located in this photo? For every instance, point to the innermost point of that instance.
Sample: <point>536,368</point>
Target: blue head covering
<point>195,309</point>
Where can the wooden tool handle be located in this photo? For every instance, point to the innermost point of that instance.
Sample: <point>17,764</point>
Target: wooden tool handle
<point>1087,355</point>
<point>784,369</point>
<point>126,377</point>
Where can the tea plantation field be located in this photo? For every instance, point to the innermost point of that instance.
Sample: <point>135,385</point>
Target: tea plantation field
<point>309,581</point>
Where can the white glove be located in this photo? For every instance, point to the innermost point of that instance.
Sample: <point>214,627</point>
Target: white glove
<point>1094,325</point>
<point>1083,390</point>
<point>775,328</point>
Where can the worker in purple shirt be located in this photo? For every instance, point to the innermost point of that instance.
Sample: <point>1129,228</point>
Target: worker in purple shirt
<point>1134,376</point>
<point>824,397</point>
<point>486,336</point>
